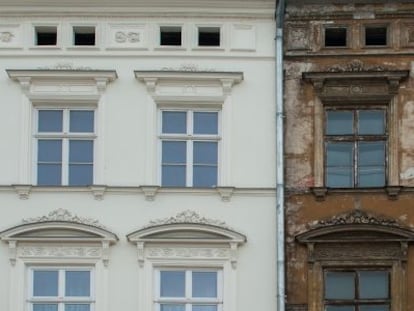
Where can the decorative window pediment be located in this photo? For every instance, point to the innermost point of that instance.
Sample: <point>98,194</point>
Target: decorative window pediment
<point>59,234</point>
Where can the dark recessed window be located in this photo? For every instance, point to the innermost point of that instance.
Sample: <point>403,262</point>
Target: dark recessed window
<point>83,35</point>
<point>335,37</point>
<point>209,36</point>
<point>376,35</point>
<point>46,35</point>
<point>170,35</point>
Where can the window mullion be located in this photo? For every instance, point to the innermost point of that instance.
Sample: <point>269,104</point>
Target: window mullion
<point>65,161</point>
<point>189,164</point>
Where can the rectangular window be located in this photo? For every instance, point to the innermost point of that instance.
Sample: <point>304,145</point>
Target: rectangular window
<point>357,290</point>
<point>60,289</point>
<point>189,143</point>
<point>376,35</point>
<point>355,148</point>
<point>335,37</point>
<point>208,36</point>
<point>170,35</point>
<point>46,35</point>
<point>188,290</point>
<point>65,143</point>
<point>84,35</point>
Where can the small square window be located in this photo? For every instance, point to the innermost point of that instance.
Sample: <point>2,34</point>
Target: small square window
<point>336,37</point>
<point>83,35</point>
<point>376,35</point>
<point>209,36</point>
<point>170,35</point>
<point>46,35</point>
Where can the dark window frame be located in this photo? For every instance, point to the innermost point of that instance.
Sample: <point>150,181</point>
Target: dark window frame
<point>357,302</point>
<point>46,35</point>
<point>81,33</point>
<point>355,138</point>
<point>167,40</point>
<point>387,35</point>
<point>206,36</point>
<point>328,27</point>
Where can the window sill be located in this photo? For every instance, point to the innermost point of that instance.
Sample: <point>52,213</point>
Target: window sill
<point>320,193</point>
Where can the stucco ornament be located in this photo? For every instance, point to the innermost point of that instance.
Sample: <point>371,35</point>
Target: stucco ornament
<point>65,66</point>
<point>64,215</point>
<point>356,217</point>
<point>187,217</point>
<point>6,36</point>
<point>122,37</point>
<point>354,66</point>
<point>188,67</point>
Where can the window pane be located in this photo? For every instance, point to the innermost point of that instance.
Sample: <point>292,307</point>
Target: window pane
<point>77,307</point>
<point>45,307</point>
<point>173,175</point>
<point>374,308</point>
<point>49,174</point>
<point>204,176</point>
<point>77,283</point>
<point>174,152</point>
<point>172,284</point>
<point>49,151</point>
<point>371,169</point>
<point>174,122</point>
<point>204,308</point>
<point>80,174</point>
<point>50,121</point>
<point>165,307</point>
<point>339,285</point>
<point>45,283</point>
<point>339,122</point>
<point>373,284</point>
<point>81,121</point>
<point>80,151</point>
<point>340,308</point>
<point>205,122</point>
<point>204,284</point>
<point>371,122</point>
<point>339,154</point>
<point>205,152</point>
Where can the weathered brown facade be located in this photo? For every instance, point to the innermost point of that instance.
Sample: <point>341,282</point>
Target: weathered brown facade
<point>355,58</point>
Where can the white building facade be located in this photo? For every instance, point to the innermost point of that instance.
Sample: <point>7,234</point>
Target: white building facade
<point>138,164</point>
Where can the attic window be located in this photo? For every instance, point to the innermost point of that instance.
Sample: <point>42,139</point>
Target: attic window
<point>209,36</point>
<point>170,35</point>
<point>335,37</point>
<point>375,35</point>
<point>46,35</point>
<point>83,35</point>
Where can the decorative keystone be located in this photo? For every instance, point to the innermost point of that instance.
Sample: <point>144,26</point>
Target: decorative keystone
<point>98,191</point>
<point>225,193</point>
<point>23,191</point>
<point>320,193</point>
<point>393,192</point>
<point>150,192</point>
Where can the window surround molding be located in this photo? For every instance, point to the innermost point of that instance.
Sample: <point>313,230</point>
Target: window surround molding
<point>60,88</point>
<point>188,89</point>
<point>359,85</point>
<point>58,239</point>
<point>357,239</point>
<point>187,240</point>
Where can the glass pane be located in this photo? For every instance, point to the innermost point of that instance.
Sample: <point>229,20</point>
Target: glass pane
<point>339,285</point>
<point>80,151</point>
<point>81,121</point>
<point>204,284</point>
<point>339,308</point>
<point>50,121</point>
<point>45,307</point>
<point>173,176</point>
<point>204,308</point>
<point>371,176</point>
<point>205,122</point>
<point>204,176</point>
<point>49,151</point>
<point>174,122</point>
<point>172,284</point>
<point>77,283</point>
<point>165,307</point>
<point>80,174</point>
<point>77,307</point>
<point>371,122</point>
<point>371,153</point>
<point>205,152</point>
<point>339,122</point>
<point>339,154</point>
<point>174,152</point>
<point>374,308</point>
<point>45,283</point>
<point>49,174</point>
<point>373,284</point>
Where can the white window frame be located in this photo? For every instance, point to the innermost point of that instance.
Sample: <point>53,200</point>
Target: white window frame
<point>188,300</point>
<point>189,137</point>
<point>61,299</point>
<point>65,136</point>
